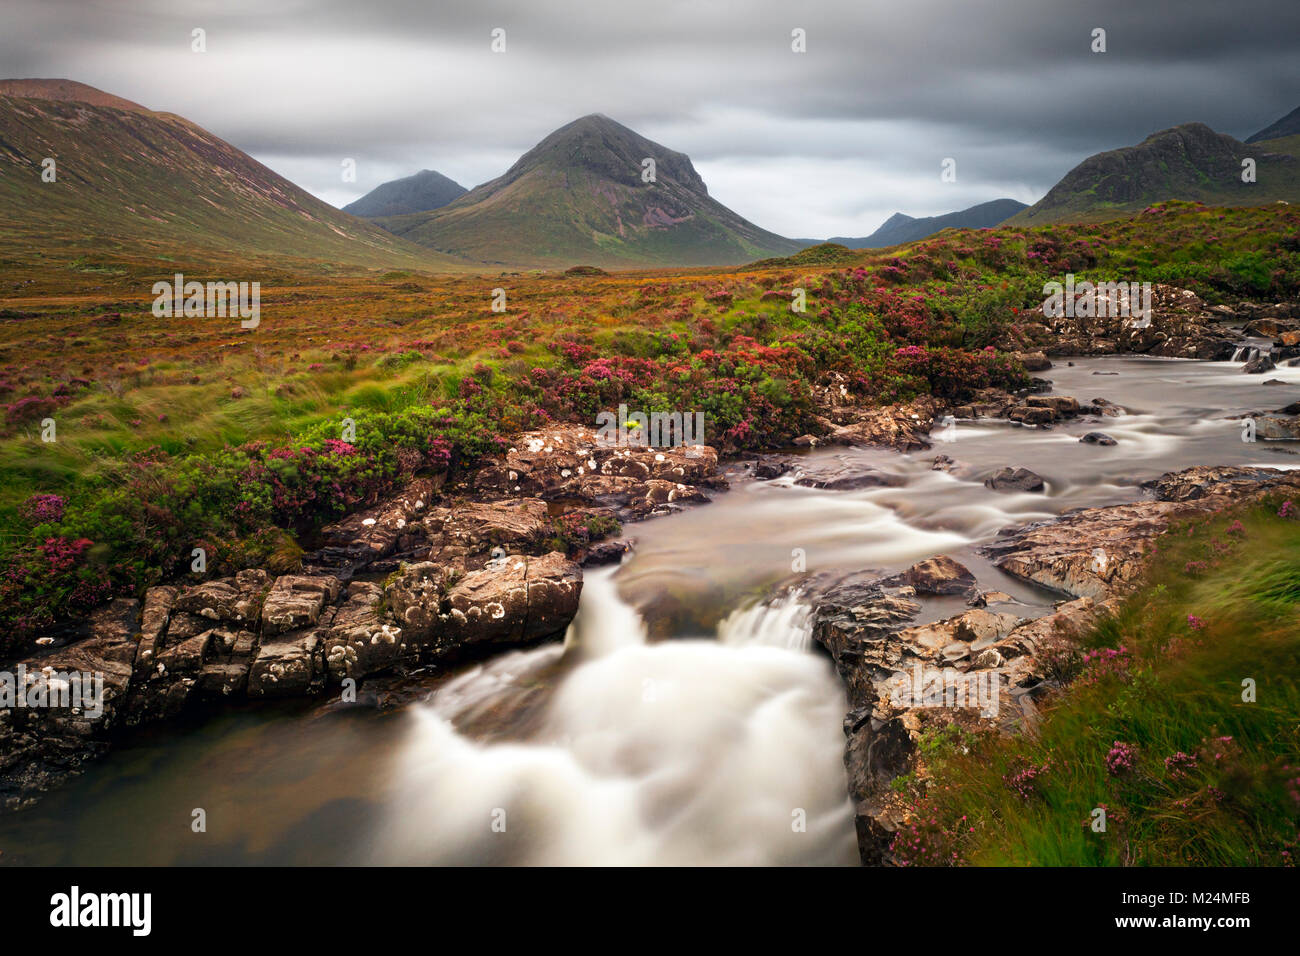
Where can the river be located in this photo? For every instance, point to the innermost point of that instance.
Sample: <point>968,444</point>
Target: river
<point>681,721</point>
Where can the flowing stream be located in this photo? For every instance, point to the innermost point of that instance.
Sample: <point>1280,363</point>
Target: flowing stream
<point>682,720</point>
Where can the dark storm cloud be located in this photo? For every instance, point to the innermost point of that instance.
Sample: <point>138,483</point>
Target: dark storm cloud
<point>826,142</point>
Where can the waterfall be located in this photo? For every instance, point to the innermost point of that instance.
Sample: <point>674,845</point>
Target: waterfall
<point>699,752</point>
<point>785,622</point>
<point>604,622</point>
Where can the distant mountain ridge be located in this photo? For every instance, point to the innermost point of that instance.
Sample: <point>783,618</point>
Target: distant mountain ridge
<point>1288,125</point>
<point>145,183</point>
<point>900,228</point>
<point>131,182</point>
<point>579,196</point>
<point>422,192</point>
<point>1190,162</point>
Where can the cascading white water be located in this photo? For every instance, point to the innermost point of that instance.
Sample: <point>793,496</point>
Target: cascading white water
<point>680,752</point>
<point>614,748</point>
<point>604,621</point>
<point>785,622</point>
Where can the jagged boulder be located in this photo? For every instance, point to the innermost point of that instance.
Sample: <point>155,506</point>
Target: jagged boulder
<point>291,664</point>
<point>466,530</point>
<point>360,641</point>
<point>939,575</point>
<point>1277,428</point>
<point>1014,479</point>
<point>513,599</point>
<point>387,531</point>
<point>77,692</point>
<point>902,427</point>
<point>296,601</point>
<point>237,599</point>
<point>572,462</point>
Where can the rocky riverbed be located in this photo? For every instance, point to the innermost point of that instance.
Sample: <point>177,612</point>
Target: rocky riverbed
<point>441,576</point>
<point>426,576</point>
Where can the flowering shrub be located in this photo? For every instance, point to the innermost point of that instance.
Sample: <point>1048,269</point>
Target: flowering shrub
<point>141,530</point>
<point>955,374</point>
<point>39,509</point>
<point>575,530</point>
<point>1025,782</point>
<point>1178,765</point>
<point>928,841</point>
<point>1106,662</point>
<point>32,408</point>
<point>1121,758</point>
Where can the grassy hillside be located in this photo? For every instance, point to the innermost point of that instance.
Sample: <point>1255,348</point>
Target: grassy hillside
<point>578,197</point>
<point>1152,727</point>
<point>172,430</point>
<point>1190,162</point>
<point>135,188</point>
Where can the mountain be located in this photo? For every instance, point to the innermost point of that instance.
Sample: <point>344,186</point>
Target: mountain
<point>578,197</point>
<point>1190,162</point>
<point>135,184</point>
<point>899,228</point>
<point>1288,125</point>
<point>68,90</point>
<point>424,191</point>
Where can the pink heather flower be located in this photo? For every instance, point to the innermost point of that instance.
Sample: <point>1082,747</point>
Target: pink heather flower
<point>1194,622</point>
<point>1180,764</point>
<point>42,508</point>
<point>1121,758</point>
<point>1023,783</point>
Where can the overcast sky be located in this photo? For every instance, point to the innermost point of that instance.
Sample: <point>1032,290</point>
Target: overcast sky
<point>826,142</point>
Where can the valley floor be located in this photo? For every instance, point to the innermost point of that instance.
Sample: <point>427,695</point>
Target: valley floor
<point>389,476</point>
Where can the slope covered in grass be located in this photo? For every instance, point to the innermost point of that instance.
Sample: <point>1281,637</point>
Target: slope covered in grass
<point>1189,162</point>
<point>135,184</point>
<point>1178,720</point>
<point>145,407</point>
<point>579,196</point>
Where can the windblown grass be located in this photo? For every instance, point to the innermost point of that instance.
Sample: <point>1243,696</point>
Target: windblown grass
<point>1157,727</point>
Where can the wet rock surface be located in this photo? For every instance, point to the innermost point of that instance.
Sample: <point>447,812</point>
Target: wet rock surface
<point>897,673</point>
<point>571,463</point>
<point>901,427</point>
<point>1180,326</point>
<point>1277,427</point>
<point>939,575</point>
<point>1014,479</point>
<point>1098,552</point>
<point>986,666</point>
<point>469,567</point>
